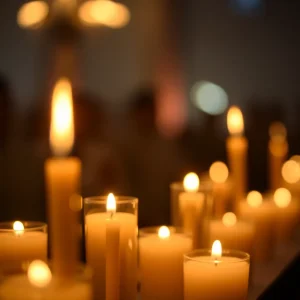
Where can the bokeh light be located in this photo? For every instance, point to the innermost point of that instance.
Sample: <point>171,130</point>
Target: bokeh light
<point>191,182</point>
<point>254,199</point>
<point>277,131</point>
<point>39,274</point>
<point>282,197</point>
<point>235,121</point>
<point>218,172</point>
<point>291,171</point>
<point>209,97</point>
<point>229,219</point>
<point>164,232</point>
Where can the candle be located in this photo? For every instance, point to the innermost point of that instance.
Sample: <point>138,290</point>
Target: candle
<point>21,242</point>
<point>191,207</point>
<point>222,187</point>
<point>262,213</point>
<point>63,183</point>
<point>112,251</point>
<point>287,214</point>
<point>161,262</point>
<point>39,283</point>
<point>237,147</point>
<point>96,221</point>
<point>278,148</point>
<point>215,275</point>
<point>234,234</point>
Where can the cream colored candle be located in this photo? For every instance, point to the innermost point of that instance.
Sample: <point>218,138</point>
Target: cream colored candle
<point>287,214</point>
<point>112,251</point>
<point>237,147</point>
<point>213,276</point>
<point>222,187</point>
<point>278,149</point>
<point>191,206</point>
<point>161,263</point>
<point>63,184</point>
<point>39,284</point>
<point>262,213</point>
<point>234,234</point>
<point>19,243</point>
<point>96,245</point>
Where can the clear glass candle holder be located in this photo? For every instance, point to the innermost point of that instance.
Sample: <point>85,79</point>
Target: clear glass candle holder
<point>216,277</point>
<point>35,281</point>
<point>21,242</point>
<point>97,221</point>
<point>192,211</point>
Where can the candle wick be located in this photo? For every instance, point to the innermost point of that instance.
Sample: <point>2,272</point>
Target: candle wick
<point>111,214</point>
<point>216,262</point>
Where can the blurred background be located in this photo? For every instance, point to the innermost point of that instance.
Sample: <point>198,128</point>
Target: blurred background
<point>150,98</point>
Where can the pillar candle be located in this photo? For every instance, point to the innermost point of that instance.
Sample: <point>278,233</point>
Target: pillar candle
<point>63,183</point>
<point>97,245</point>
<point>211,275</point>
<point>278,149</point>
<point>262,213</point>
<point>161,263</point>
<point>237,147</point>
<point>233,233</point>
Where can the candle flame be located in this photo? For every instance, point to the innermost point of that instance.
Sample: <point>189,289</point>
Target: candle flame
<point>191,182</point>
<point>282,197</point>
<point>218,172</point>
<point>111,205</point>
<point>39,274</point>
<point>254,199</point>
<point>216,250</point>
<point>277,131</point>
<point>164,232</point>
<point>291,171</point>
<point>229,219</point>
<point>62,123</point>
<point>18,227</point>
<point>235,121</point>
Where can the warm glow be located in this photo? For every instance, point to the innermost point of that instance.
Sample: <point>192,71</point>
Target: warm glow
<point>291,171</point>
<point>191,182</point>
<point>282,197</point>
<point>229,219</point>
<point>111,205</point>
<point>32,14</point>
<point>104,12</point>
<point>39,274</point>
<point>164,232</point>
<point>277,131</point>
<point>296,158</point>
<point>218,172</point>
<point>62,123</point>
<point>254,198</point>
<point>18,227</point>
<point>235,121</point>
<point>216,250</point>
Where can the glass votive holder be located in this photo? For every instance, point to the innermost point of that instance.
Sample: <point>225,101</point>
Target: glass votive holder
<point>161,251</point>
<point>98,249</point>
<point>214,278</point>
<point>192,211</point>
<point>35,281</point>
<point>20,242</point>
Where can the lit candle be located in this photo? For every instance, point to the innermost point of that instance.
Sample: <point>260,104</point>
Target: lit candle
<point>112,251</point>
<point>161,262</point>
<point>98,247</point>
<point>39,283</point>
<point>287,214</point>
<point>234,234</point>
<point>237,147</point>
<point>262,213</point>
<point>222,187</point>
<point>191,206</point>
<point>278,149</point>
<point>19,243</point>
<point>63,183</point>
<point>215,274</point>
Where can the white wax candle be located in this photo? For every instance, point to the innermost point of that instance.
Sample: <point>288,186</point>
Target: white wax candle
<point>96,249</point>
<point>161,265</point>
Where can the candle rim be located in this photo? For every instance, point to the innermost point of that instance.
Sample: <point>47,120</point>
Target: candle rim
<point>195,254</point>
<point>29,226</point>
<point>103,199</point>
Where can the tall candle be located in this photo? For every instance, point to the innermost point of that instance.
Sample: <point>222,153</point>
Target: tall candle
<point>215,275</point>
<point>237,147</point>
<point>96,220</point>
<point>63,183</point>
<point>21,242</point>
<point>161,263</point>
<point>191,206</point>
